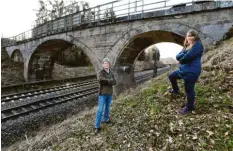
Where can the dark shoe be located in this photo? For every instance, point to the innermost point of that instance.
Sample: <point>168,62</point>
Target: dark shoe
<point>185,110</point>
<point>174,92</point>
<point>97,130</point>
<point>108,122</point>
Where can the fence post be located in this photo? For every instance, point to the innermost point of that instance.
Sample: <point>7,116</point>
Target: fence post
<point>129,10</point>
<point>14,39</point>
<point>111,13</point>
<point>217,4</point>
<point>23,36</point>
<point>47,28</point>
<point>94,14</point>
<point>135,8</point>
<point>98,13</point>
<point>72,21</point>
<point>142,8</point>
<point>51,26</point>
<point>192,5</point>
<point>66,22</point>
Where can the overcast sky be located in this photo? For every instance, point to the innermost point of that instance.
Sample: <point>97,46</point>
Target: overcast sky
<point>17,16</point>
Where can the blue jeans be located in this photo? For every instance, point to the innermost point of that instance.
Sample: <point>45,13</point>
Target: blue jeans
<point>189,83</point>
<point>104,103</point>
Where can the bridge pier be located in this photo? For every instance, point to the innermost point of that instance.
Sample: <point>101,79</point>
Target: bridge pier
<point>125,79</point>
<point>26,69</point>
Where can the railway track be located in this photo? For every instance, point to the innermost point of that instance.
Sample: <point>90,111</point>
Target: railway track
<point>19,96</point>
<point>145,75</point>
<point>35,105</point>
<point>19,104</point>
<point>37,84</point>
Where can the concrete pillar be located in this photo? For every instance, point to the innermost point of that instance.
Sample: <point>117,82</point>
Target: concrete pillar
<point>124,79</point>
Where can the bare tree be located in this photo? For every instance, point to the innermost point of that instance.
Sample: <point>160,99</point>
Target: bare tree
<point>42,12</point>
<point>156,58</point>
<point>109,15</point>
<point>87,15</point>
<point>57,8</point>
<point>73,7</point>
<point>52,9</point>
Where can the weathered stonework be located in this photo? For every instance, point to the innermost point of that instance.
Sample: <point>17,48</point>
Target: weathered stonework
<point>122,42</point>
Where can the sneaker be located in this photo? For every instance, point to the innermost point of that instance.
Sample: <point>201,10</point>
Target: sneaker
<point>174,92</point>
<point>185,110</point>
<point>97,130</point>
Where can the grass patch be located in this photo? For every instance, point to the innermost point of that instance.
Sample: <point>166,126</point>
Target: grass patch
<point>132,103</point>
<point>153,107</point>
<point>202,93</point>
<point>148,91</point>
<point>162,88</point>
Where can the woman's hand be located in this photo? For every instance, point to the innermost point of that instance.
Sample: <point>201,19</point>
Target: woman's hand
<point>185,43</point>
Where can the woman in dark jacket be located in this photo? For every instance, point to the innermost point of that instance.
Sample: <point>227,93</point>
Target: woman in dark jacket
<point>190,69</point>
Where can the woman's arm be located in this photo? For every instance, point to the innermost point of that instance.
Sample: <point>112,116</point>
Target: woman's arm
<point>195,51</point>
<point>180,55</point>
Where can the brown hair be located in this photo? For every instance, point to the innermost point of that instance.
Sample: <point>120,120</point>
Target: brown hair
<point>193,33</point>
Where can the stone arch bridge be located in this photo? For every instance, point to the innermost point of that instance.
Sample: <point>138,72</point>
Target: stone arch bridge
<point>121,42</point>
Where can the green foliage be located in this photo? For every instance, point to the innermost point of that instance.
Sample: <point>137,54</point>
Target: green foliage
<point>57,148</point>
<point>152,105</point>
<point>203,91</point>
<point>202,101</point>
<point>148,92</point>
<point>162,88</point>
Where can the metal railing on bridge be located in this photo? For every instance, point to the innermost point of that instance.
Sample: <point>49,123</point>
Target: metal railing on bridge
<point>72,19</point>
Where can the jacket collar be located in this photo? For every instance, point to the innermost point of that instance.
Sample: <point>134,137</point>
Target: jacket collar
<point>108,70</point>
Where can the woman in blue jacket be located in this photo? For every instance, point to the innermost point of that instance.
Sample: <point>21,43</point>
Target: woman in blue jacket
<point>189,70</point>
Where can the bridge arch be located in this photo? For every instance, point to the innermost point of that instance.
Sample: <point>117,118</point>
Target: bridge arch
<point>152,34</point>
<point>135,46</point>
<point>52,45</point>
<point>17,56</point>
<point>130,45</point>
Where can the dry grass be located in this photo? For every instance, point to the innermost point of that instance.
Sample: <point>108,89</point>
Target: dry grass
<point>222,55</point>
